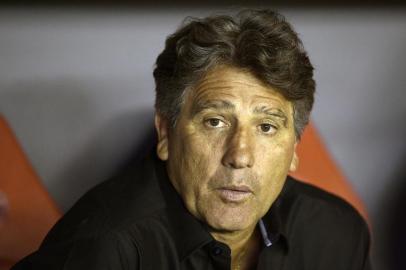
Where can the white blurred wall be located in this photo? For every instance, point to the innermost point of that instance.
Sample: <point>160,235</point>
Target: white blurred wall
<point>77,88</point>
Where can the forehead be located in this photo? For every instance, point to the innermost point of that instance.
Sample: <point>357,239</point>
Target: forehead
<point>238,86</point>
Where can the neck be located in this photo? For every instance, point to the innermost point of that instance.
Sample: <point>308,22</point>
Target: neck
<point>244,245</point>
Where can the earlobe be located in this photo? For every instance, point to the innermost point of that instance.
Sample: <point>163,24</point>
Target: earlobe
<point>161,127</point>
<point>294,164</point>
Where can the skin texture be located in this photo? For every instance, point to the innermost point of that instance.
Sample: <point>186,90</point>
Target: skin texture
<point>229,154</point>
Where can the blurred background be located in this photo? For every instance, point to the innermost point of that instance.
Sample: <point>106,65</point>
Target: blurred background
<point>76,87</point>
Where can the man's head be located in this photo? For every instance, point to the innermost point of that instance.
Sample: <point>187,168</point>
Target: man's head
<point>233,96</point>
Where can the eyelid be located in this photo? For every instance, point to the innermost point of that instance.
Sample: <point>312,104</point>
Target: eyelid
<point>274,128</point>
<point>220,118</point>
<point>271,121</point>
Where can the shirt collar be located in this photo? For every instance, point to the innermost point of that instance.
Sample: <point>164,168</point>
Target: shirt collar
<point>275,220</point>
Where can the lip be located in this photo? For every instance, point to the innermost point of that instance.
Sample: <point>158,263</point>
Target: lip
<point>234,194</point>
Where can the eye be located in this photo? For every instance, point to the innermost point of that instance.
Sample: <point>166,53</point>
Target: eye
<point>215,123</point>
<point>268,128</point>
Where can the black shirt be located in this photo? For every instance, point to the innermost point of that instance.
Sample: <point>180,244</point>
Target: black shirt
<point>138,221</point>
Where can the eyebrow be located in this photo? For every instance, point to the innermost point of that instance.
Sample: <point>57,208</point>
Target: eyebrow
<point>228,106</point>
<point>212,104</point>
<point>272,112</point>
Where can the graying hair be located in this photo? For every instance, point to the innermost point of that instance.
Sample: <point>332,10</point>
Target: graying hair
<point>259,41</point>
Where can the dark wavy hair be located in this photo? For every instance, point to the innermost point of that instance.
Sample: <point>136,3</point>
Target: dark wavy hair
<point>260,41</point>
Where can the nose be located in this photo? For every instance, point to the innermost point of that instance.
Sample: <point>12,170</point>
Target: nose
<point>239,152</point>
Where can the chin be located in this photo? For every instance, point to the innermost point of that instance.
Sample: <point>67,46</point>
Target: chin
<point>230,221</point>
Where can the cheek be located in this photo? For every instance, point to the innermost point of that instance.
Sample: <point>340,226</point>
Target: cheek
<point>194,158</point>
<point>273,164</point>
<point>203,146</point>
<point>275,154</point>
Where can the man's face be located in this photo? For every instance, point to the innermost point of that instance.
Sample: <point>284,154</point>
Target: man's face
<point>231,149</point>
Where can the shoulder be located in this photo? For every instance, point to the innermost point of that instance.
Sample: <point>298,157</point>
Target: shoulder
<point>324,224</point>
<point>124,201</point>
<point>316,209</point>
<point>319,205</point>
<point>107,224</point>
<point>110,251</point>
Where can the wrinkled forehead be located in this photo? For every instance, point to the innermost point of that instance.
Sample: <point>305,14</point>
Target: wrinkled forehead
<point>235,85</point>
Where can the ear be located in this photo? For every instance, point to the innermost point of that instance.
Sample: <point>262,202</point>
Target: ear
<point>161,126</point>
<point>294,164</point>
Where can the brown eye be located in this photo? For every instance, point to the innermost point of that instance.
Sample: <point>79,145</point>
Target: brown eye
<point>215,123</point>
<point>267,128</point>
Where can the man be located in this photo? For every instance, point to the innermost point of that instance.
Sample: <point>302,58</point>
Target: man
<point>232,98</point>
